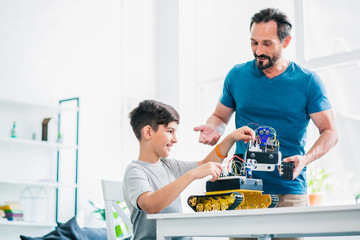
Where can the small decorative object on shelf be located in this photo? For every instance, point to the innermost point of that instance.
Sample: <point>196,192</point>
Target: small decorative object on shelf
<point>44,135</point>
<point>35,202</point>
<point>13,130</point>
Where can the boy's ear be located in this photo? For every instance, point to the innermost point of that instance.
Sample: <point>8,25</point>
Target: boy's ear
<point>146,132</point>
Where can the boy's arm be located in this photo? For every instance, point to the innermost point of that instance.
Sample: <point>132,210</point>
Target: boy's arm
<point>154,202</point>
<point>244,133</point>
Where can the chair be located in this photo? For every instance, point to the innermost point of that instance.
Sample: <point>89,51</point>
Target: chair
<point>112,192</point>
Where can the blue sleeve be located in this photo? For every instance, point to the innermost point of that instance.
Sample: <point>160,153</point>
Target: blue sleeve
<point>226,97</point>
<point>317,97</point>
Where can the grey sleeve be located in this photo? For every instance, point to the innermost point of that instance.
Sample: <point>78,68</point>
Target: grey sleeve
<point>136,183</point>
<point>181,167</point>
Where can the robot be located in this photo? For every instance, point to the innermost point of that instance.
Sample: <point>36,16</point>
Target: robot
<point>235,189</point>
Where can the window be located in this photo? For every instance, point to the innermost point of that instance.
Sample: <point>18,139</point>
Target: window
<point>332,50</point>
<point>331,27</point>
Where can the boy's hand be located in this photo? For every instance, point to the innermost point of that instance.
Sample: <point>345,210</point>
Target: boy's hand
<point>244,133</point>
<point>211,168</point>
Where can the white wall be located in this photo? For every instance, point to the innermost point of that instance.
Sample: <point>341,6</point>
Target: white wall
<point>51,50</point>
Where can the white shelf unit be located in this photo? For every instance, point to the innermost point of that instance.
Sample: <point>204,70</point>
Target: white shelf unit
<point>52,184</point>
<point>34,143</point>
<point>10,230</point>
<point>28,224</point>
<point>20,151</point>
<point>31,106</point>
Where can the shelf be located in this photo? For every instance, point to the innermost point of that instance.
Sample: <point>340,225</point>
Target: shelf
<point>34,143</point>
<point>30,183</point>
<point>50,154</point>
<point>35,106</point>
<point>26,224</point>
<point>38,183</point>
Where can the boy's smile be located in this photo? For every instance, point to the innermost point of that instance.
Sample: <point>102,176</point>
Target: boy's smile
<point>164,138</point>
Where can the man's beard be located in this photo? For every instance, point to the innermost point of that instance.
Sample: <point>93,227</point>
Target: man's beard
<point>271,61</point>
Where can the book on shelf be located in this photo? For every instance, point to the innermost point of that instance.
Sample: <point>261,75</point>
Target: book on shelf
<point>13,211</point>
<point>11,206</point>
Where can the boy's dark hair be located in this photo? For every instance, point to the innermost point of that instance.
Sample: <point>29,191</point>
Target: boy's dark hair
<point>153,113</point>
<point>283,23</point>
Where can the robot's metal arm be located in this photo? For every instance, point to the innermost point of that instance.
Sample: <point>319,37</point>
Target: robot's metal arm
<point>262,159</point>
<point>264,154</point>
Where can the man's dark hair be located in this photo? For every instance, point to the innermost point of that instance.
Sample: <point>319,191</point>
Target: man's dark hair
<point>153,113</point>
<point>283,23</point>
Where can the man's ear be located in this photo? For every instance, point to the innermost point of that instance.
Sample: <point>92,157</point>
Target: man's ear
<point>286,41</point>
<point>146,132</point>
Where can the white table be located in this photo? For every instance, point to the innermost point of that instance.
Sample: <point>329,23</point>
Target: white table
<point>341,220</point>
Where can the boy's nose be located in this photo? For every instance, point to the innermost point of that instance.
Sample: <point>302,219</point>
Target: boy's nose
<point>174,139</point>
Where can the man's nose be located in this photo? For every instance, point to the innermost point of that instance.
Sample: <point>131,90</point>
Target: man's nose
<point>259,50</point>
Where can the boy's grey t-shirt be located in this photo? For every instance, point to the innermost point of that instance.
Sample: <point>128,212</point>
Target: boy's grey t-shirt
<point>143,177</point>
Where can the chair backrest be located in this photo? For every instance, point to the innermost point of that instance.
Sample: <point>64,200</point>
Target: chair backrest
<point>113,193</point>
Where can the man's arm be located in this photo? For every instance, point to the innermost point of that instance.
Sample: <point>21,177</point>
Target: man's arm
<point>215,125</point>
<point>325,122</point>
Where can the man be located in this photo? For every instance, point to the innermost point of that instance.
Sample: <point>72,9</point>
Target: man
<point>273,91</point>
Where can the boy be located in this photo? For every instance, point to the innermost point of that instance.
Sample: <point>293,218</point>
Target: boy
<point>153,183</point>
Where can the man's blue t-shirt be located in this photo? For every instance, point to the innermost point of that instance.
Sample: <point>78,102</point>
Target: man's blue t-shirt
<point>284,103</point>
